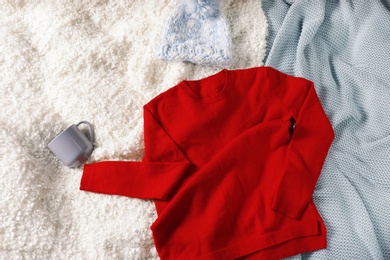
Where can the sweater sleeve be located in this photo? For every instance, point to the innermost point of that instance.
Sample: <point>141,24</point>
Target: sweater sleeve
<point>161,168</point>
<point>310,141</point>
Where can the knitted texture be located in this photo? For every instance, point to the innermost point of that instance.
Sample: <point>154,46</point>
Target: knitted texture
<point>197,32</point>
<point>343,47</point>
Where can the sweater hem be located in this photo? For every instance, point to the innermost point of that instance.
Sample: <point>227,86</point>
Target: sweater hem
<point>292,247</point>
<point>264,241</point>
<point>292,240</point>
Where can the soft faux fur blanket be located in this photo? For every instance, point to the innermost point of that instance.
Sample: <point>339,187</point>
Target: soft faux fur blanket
<point>66,61</point>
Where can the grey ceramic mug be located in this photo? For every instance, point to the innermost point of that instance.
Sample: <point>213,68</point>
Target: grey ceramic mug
<point>71,146</point>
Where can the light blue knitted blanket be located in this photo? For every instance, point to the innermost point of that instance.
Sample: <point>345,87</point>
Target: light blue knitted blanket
<point>344,48</point>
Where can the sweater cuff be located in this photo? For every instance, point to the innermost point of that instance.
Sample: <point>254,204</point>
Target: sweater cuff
<point>86,183</point>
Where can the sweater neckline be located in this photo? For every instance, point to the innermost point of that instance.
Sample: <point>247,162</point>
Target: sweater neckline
<point>209,89</point>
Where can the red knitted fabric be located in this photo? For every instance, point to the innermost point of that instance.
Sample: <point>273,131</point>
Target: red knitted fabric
<point>231,162</point>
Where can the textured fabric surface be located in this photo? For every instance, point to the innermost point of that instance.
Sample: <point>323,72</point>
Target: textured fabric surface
<point>343,46</point>
<point>197,32</point>
<point>66,61</point>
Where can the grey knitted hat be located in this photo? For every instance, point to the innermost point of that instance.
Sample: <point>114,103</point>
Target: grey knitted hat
<point>197,32</point>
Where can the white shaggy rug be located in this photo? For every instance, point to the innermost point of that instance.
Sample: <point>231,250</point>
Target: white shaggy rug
<point>66,61</point>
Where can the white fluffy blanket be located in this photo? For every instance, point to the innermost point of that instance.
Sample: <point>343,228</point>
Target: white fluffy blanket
<point>66,61</point>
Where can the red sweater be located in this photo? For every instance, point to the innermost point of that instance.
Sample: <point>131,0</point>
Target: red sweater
<point>231,162</point>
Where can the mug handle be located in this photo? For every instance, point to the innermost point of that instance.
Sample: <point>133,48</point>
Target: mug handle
<point>89,129</point>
